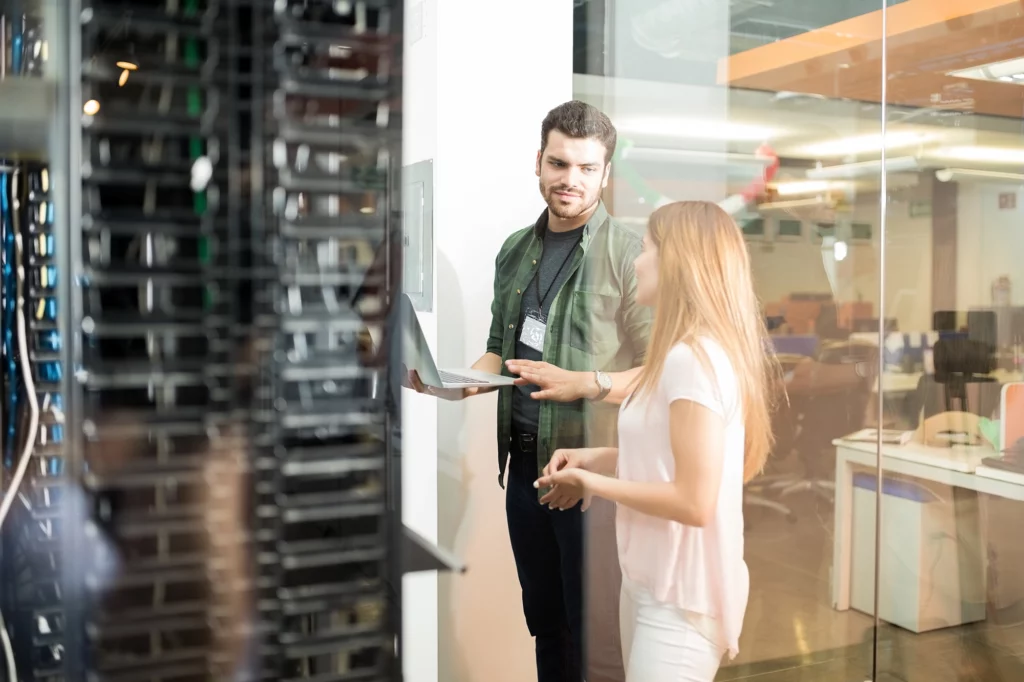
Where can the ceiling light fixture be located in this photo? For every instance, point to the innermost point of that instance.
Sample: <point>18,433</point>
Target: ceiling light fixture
<point>950,174</point>
<point>660,155</point>
<point>784,189</point>
<point>1007,71</point>
<point>91,108</point>
<point>696,129</point>
<point>864,144</point>
<point>795,203</point>
<point>981,154</point>
<point>864,168</point>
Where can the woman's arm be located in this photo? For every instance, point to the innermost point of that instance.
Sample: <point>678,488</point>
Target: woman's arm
<point>698,440</point>
<point>603,461</point>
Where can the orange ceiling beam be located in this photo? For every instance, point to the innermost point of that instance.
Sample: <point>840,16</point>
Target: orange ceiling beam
<point>859,31</point>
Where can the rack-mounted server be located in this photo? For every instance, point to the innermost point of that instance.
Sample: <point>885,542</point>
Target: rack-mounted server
<point>213,491</point>
<point>326,141</point>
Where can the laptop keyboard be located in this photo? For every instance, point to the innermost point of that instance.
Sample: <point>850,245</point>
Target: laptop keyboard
<point>449,378</point>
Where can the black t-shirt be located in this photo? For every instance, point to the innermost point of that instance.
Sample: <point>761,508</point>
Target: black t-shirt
<point>552,271</point>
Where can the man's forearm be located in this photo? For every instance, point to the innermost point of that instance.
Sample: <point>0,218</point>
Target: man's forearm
<point>622,384</point>
<point>490,363</point>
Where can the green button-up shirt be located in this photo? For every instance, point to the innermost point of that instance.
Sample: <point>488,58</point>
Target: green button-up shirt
<point>594,324</point>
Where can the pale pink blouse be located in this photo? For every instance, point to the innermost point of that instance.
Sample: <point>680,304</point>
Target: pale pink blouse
<point>698,570</point>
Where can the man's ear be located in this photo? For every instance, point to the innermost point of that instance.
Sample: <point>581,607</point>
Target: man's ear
<point>607,174</point>
<point>537,169</point>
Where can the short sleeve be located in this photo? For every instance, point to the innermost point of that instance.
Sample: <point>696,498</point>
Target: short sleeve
<point>684,377</point>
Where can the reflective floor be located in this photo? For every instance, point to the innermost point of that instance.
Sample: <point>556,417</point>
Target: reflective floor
<point>791,632</point>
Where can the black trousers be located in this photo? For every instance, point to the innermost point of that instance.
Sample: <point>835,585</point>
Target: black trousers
<point>548,549</point>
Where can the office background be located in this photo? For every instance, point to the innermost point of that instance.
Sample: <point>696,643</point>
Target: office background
<point>886,210</point>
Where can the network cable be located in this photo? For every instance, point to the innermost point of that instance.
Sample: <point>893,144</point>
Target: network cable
<point>17,38</point>
<point>12,668</point>
<point>30,391</point>
<point>8,275</point>
<point>17,294</point>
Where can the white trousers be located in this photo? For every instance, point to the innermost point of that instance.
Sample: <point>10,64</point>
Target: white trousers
<point>659,644</point>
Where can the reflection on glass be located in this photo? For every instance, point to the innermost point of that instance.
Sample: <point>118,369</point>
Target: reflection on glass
<point>955,611</point>
<point>696,88</point>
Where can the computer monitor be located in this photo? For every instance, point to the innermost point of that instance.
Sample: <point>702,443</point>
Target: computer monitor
<point>944,321</point>
<point>1017,325</point>
<point>960,382</point>
<point>983,328</point>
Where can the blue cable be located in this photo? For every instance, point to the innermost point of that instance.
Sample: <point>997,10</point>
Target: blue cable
<point>16,46</point>
<point>45,308</point>
<point>50,341</point>
<point>9,313</point>
<point>50,372</point>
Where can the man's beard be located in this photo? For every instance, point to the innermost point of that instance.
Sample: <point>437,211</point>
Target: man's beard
<point>565,212</point>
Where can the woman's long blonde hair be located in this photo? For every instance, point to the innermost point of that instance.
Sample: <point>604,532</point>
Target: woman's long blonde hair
<point>705,289</point>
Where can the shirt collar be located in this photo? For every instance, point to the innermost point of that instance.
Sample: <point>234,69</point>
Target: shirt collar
<point>595,223</point>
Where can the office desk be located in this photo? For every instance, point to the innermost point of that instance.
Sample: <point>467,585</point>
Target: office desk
<point>957,467</point>
<point>906,382</point>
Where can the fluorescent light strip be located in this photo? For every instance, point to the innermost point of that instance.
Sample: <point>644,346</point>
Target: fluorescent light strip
<point>795,203</point>
<point>864,168</point>
<point>950,174</point>
<point>981,154</point>
<point>696,129</point>
<point>1007,71</point>
<point>864,144</point>
<point>784,189</point>
<point>692,156</point>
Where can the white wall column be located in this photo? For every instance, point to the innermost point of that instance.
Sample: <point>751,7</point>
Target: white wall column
<point>480,76</point>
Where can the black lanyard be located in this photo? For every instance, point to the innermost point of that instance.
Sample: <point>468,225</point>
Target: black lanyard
<point>536,276</point>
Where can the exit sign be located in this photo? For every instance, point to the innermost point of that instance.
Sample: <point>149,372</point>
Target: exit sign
<point>1007,201</point>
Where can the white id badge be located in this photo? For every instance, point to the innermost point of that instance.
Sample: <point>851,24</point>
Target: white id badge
<point>533,333</point>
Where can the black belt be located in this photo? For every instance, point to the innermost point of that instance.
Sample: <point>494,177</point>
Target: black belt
<point>524,442</point>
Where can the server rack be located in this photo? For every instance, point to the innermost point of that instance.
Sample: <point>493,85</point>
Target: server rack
<point>325,136</point>
<point>208,226</point>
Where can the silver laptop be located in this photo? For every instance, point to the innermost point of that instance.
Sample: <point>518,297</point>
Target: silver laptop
<point>417,356</point>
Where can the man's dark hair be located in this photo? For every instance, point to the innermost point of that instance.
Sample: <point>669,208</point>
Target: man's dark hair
<point>581,121</point>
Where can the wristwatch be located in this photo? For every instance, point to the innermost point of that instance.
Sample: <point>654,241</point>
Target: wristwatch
<point>604,385</point>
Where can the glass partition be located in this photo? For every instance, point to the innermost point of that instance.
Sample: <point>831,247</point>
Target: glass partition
<point>886,254</point>
<point>871,152</point>
<point>706,97</point>
<point>949,578</point>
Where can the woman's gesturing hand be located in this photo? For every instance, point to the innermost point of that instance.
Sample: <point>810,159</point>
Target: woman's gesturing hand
<point>565,474</point>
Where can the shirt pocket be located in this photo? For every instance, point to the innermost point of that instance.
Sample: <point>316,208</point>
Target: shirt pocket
<point>593,324</point>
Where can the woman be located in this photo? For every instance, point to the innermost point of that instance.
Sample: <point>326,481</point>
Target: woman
<point>695,428</point>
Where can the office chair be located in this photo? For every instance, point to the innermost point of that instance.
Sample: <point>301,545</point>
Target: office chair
<point>761,492</point>
<point>825,416</point>
<point>758,492</point>
<point>961,381</point>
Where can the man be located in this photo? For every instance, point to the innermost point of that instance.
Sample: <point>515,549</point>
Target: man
<point>564,296</point>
